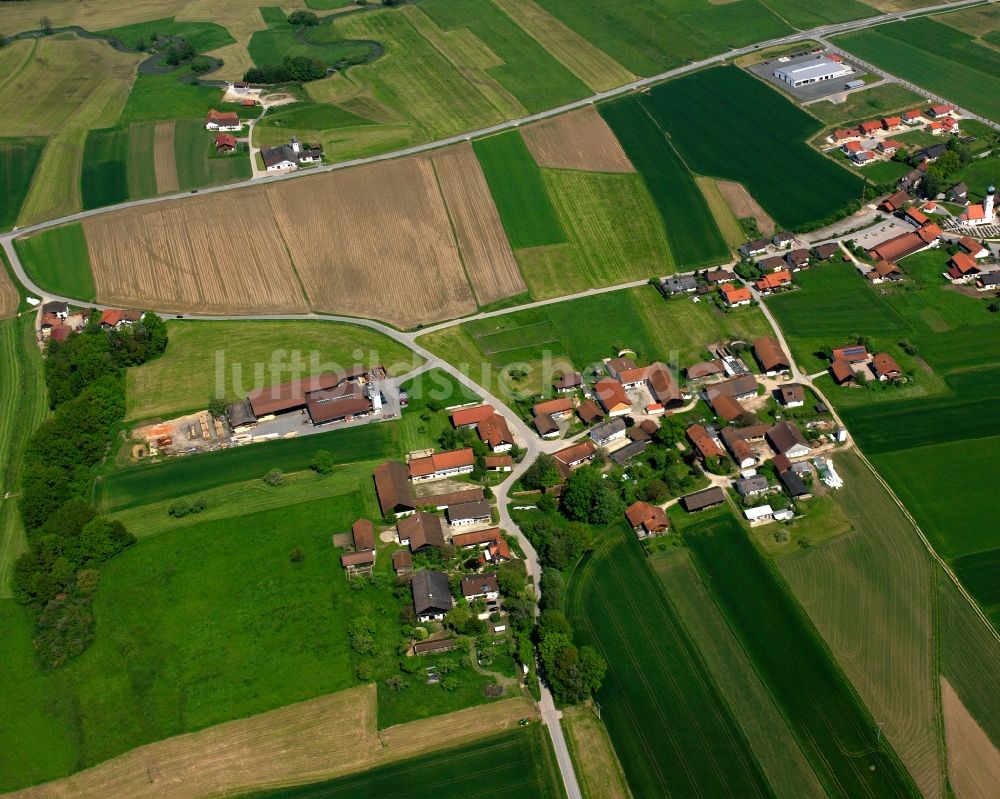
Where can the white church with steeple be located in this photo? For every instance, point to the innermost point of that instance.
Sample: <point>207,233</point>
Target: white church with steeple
<point>981,214</point>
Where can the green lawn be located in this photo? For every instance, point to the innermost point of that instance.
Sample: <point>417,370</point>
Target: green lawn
<point>670,726</point>
<point>57,260</point>
<point>519,764</point>
<point>323,42</point>
<point>657,35</point>
<point>694,237</point>
<point>834,728</point>
<point>244,355</point>
<point>871,103</point>
<point>209,623</point>
<point>773,161</point>
<point>196,167</point>
<point>103,180</point>
<point>18,160</point>
<point>203,36</point>
<point>192,474</point>
<point>155,97</point>
<point>518,190</point>
<point>931,54</point>
<point>310,117</point>
<point>885,171</point>
<point>527,70</point>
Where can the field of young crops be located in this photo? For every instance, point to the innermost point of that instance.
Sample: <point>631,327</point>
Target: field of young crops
<point>104,180</point>
<point>694,237</point>
<point>795,184</point>
<point>836,731</point>
<point>18,161</point>
<point>57,260</point>
<point>670,726</point>
<point>518,190</point>
<point>936,56</point>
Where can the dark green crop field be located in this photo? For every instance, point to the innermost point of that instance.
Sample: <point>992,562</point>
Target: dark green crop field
<point>673,732</point>
<point>515,765</point>
<point>806,14</point>
<point>528,71</point>
<point>655,35</point>
<point>979,573</point>
<point>203,36</point>
<point>794,183</point>
<point>936,56</point>
<point>104,180</point>
<point>18,160</point>
<point>185,476</point>
<point>57,260</point>
<point>518,190</point>
<point>312,116</point>
<point>694,237</point>
<point>832,725</point>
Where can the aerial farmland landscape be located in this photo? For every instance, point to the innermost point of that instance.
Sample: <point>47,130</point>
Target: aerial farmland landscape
<point>499,398</point>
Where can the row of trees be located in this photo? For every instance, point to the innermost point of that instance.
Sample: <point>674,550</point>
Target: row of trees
<point>297,68</point>
<point>68,540</point>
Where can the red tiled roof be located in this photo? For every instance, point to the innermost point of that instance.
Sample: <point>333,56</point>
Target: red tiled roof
<point>439,461</point>
<point>869,126</point>
<point>703,442</point>
<point>475,415</point>
<point>890,122</point>
<point>734,294</point>
<point>364,534</point>
<point>477,538</point>
<point>498,461</point>
<point>576,453</point>
<point>970,245</point>
<point>725,406</point>
<point>884,364</point>
<point>963,263</point>
<point>561,405</point>
<point>774,280</point>
<point>841,370</point>
<point>223,118</point>
<point>853,147</point>
<point>611,394</point>
<point>495,431</point>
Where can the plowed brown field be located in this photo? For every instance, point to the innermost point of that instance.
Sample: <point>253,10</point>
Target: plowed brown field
<point>164,159</point>
<point>973,760</point>
<point>744,205</point>
<point>577,140</point>
<point>319,739</point>
<point>375,242</point>
<point>220,254</point>
<point>489,260</point>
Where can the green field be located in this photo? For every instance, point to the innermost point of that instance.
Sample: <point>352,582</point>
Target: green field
<point>203,36</point>
<point>527,70</point>
<point>871,103</point>
<point>18,160</point>
<point>934,55</point>
<point>196,167</point>
<point>140,167</point>
<point>694,237</point>
<point>835,730</point>
<point>187,476</point>
<point>22,409</point>
<point>805,14</point>
<point>518,190</point>
<point>773,161</point>
<point>310,117</point>
<point>657,35</point>
<point>209,623</point>
<point>519,764</point>
<point>638,319</point>
<point>244,355</point>
<point>103,180</point>
<point>322,42</point>
<point>155,97</point>
<point>57,260</point>
<point>674,734</point>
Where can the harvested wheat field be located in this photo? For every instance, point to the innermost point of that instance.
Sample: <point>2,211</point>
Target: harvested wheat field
<point>482,241</point>
<point>973,760</point>
<point>9,298</point>
<point>164,159</point>
<point>314,740</point>
<point>577,140</point>
<point>375,242</point>
<point>743,205</point>
<point>212,254</point>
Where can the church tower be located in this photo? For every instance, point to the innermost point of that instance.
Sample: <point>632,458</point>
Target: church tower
<point>989,208</point>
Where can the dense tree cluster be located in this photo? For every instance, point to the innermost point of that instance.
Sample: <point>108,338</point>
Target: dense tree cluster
<point>292,68</point>
<point>57,576</point>
<point>303,18</point>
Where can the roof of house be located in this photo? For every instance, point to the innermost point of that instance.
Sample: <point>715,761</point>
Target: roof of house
<point>558,405</point>
<point>890,122</point>
<point>853,147</point>
<point>469,416</point>
<point>898,246</point>
<point>223,118</point>
<point>769,353</point>
<point>114,316</point>
<point>735,294</point>
<point>360,558</point>
<point>794,484</point>
<point>989,279</point>
<point>436,645</point>
<point>289,396</point>
<point>650,426</point>
<point>477,584</point>
<point>870,125</point>
<point>704,369</point>
<point>240,413</point>
<point>545,424</point>
<point>628,452</point>
<point>827,250</point>
<point>364,534</point>
<point>739,386</point>
<point>720,276</point>
<point>393,487</point>
<point>703,442</point>
<point>852,353</point>
<point>751,485</point>
<point>616,365</point>
<point>885,364</point>
<point>449,498</point>
<point>286,152</point>
<point>225,140</point>
<point>479,509</point>
<point>431,592</point>
<point>55,307</point>
<point>841,370</point>
<point>339,402</point>
<point>782,236</point>
<point>963,263</point>
<point>589,411</point>
<point>913,113</point>
<point>498,461</point>
<point>477,538</point>
<point>756,244</point>
<point>495,431</point>
<point>792,392</point>
<point>940,109</point>
<point>895,201</point>
<point>772,264</point>
<point>725,407</point>
<point>604,431</point>
<point>737,445</point>
<point>610,393</point>
<point>916,216</point>
<point>676,284</point>
<point>637,434</point>
<point>784,436</point>
<point>576,453</point>
<point>497,550</point>
<point>662,383</point>
<point>442,461</point>
<point>568,381</point>
<point>773,280</point>
<point>797,257</point>
<point>651,518</point>
<point>421,530</point>
<point>781,463</point>
<point>401,559</point>
<point>844,133</point>
<point>970,245</point>
<point>703,499</point>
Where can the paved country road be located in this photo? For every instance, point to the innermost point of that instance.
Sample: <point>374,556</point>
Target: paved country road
<point>533,446</point>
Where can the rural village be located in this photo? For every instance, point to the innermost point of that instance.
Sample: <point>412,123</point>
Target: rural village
<point>430,397</point>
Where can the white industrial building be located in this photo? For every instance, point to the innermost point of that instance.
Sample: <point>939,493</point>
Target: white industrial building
<point>802,74</point>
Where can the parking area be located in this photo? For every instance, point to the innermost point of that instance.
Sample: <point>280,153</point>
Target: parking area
<point>811,91</point>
